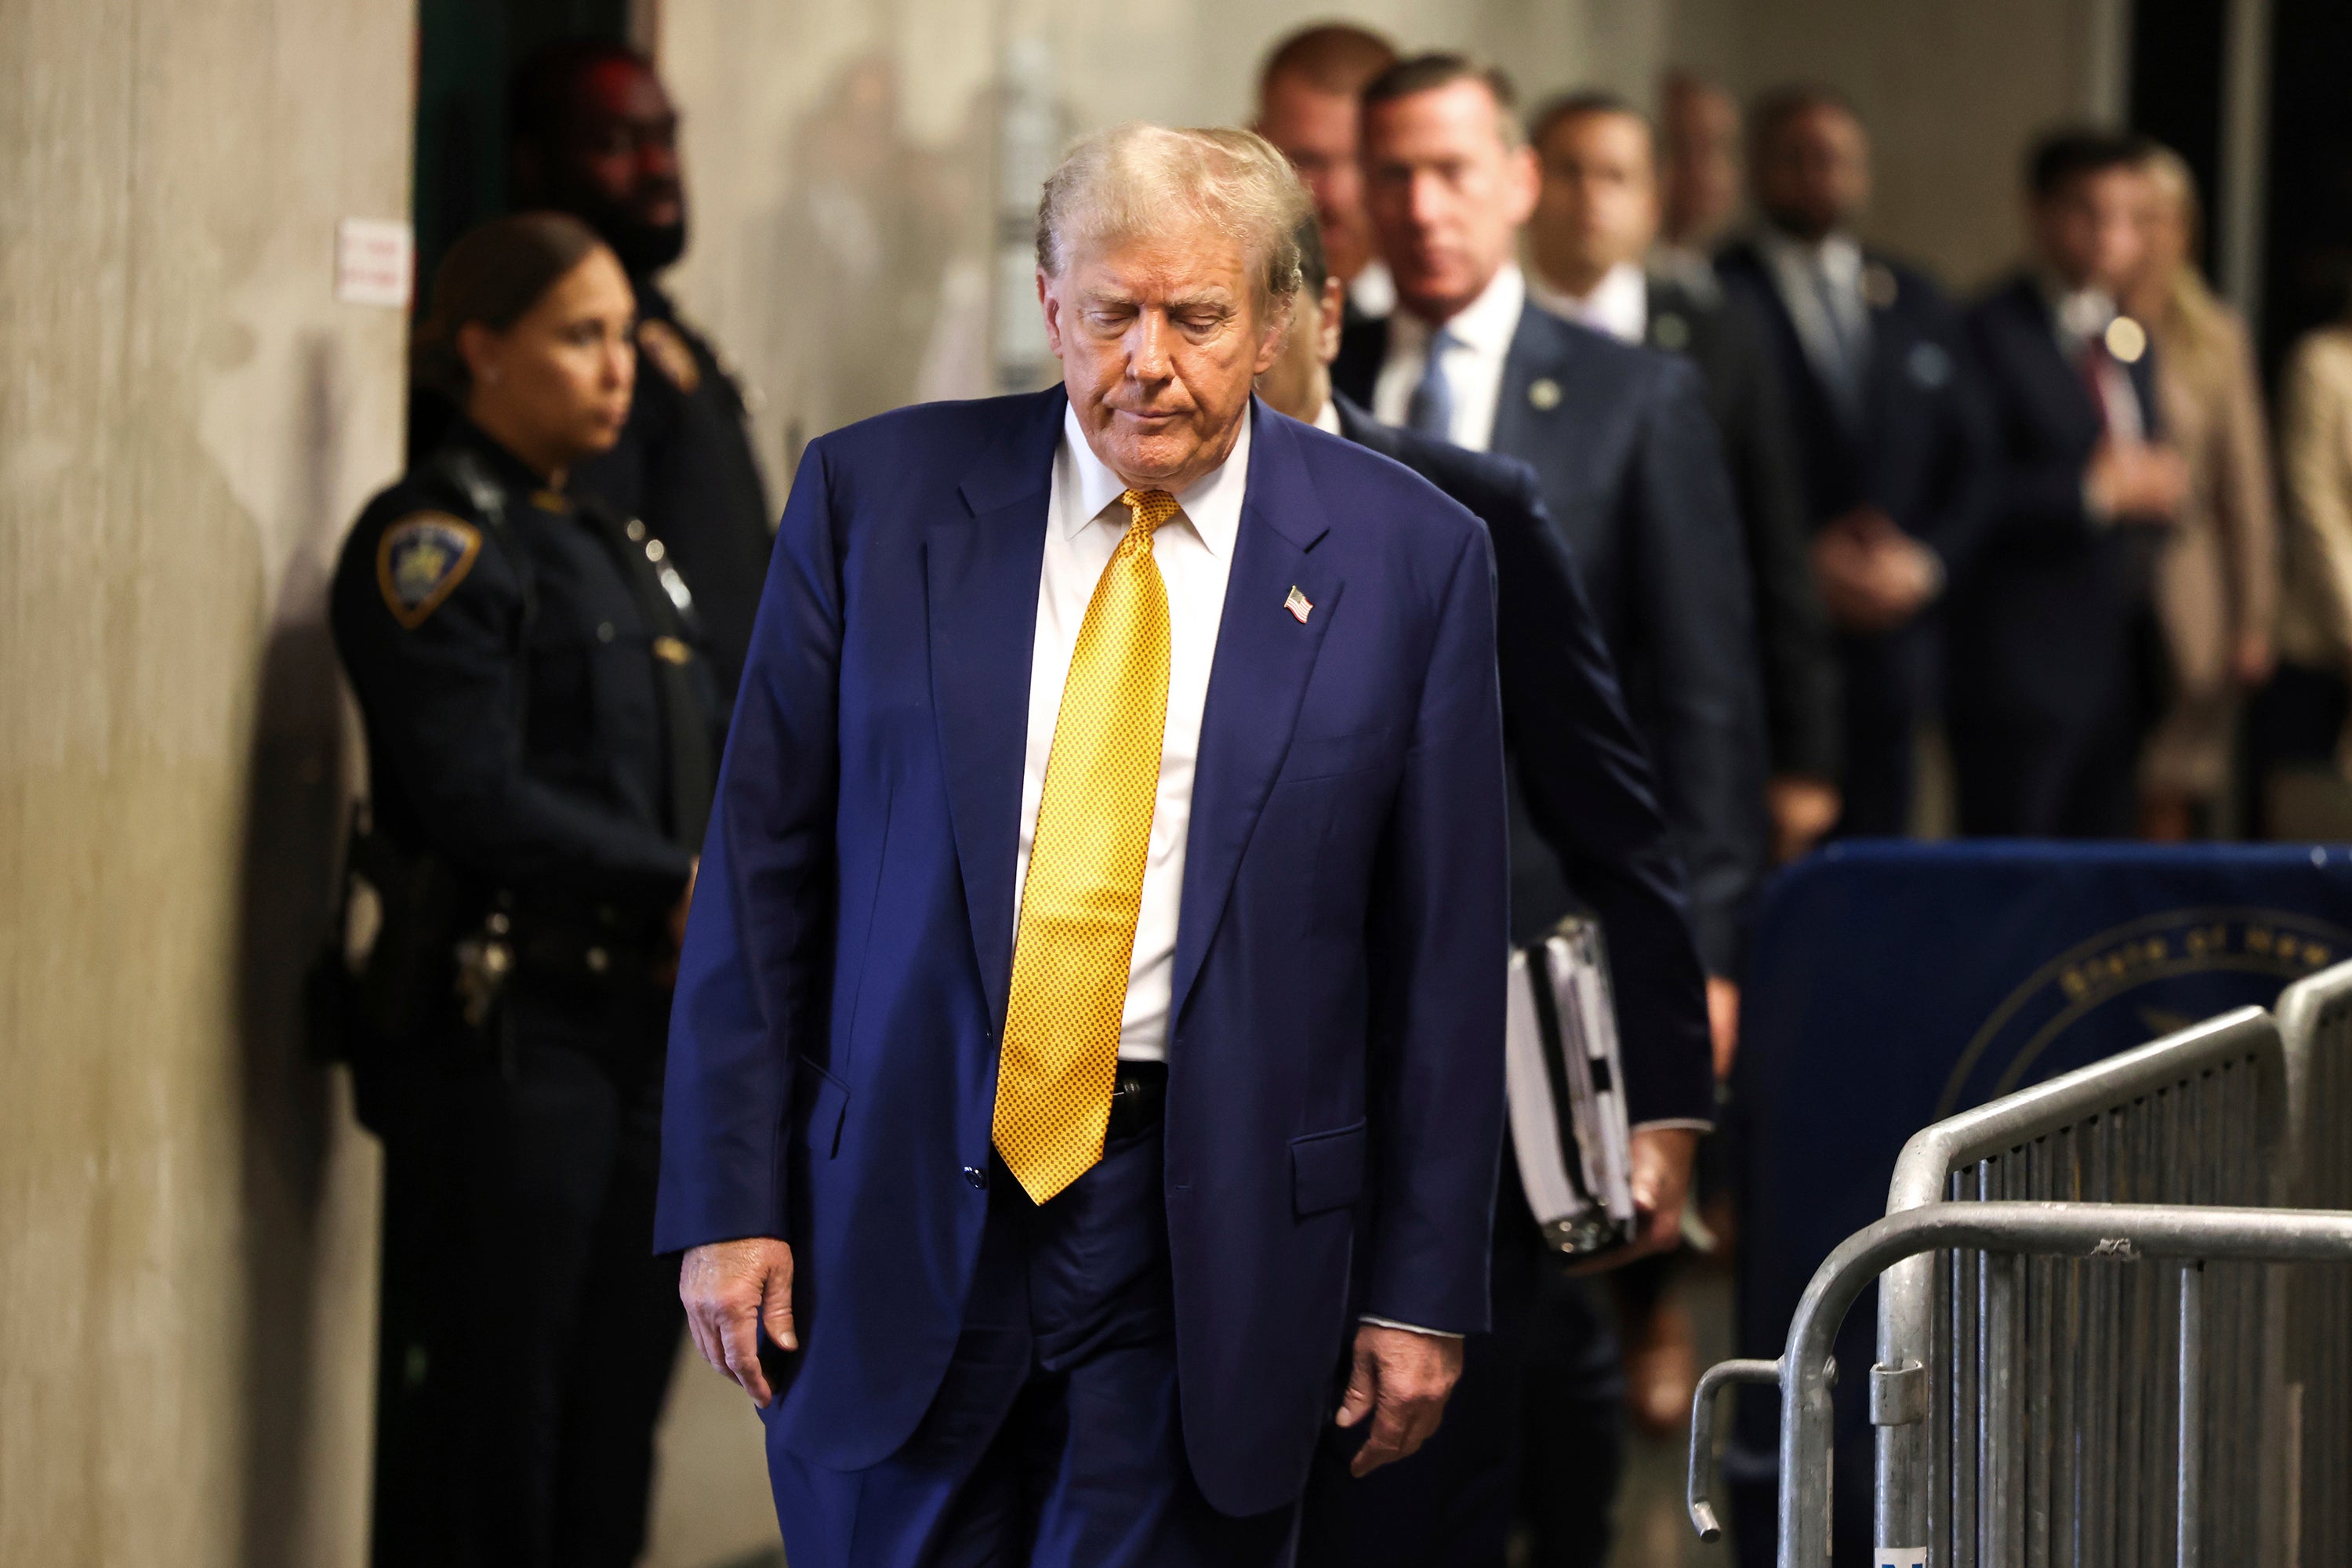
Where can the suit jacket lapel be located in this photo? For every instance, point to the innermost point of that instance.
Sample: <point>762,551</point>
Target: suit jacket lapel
<point>1265,656</point>
<point>981,571</point>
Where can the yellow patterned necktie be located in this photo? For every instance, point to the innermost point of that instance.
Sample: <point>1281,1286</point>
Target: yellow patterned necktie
<point>1085,885</point>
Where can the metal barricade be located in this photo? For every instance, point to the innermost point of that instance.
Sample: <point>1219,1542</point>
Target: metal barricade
<point>2314,1018</point>
<point>2020,1402</point>
<point>2105,1241</point>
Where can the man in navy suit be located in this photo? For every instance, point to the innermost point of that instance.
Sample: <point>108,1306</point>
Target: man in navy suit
<point>1632,469</point>
<point>1892,452</point>
<point>1585,832</point>
<point>1286,1104</point>
<point>1632,476</point>
<point>2054,669</point>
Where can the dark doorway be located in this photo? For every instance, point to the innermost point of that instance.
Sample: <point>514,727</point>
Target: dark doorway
<point>2307,221</point>
<point>2176,88</point>
<point>464,50</point>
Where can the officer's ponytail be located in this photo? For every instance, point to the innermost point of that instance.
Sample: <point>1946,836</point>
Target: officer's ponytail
<point>493,274</point>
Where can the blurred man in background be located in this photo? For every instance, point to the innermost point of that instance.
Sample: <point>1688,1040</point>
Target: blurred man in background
<point>594,135</point>
<point>1596,218</point>
<point>2055,654</point>
<point>1307,106</point>
<point>1633,474</point>
<point>1891,451</point>
<point>1701,177</point>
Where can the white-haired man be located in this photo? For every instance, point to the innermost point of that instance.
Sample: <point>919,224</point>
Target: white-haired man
<point>1092,1009</point>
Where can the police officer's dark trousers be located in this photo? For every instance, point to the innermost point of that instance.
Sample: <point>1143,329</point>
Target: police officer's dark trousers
<point>529,1332</point>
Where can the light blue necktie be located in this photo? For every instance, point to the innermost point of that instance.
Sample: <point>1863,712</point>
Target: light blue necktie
<point>1431,412</point>
<point>1845,371</point>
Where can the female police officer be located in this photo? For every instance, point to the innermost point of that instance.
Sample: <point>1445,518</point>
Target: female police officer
<point>540,731</point>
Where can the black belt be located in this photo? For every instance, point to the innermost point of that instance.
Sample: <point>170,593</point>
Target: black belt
<point>1137,1096</point>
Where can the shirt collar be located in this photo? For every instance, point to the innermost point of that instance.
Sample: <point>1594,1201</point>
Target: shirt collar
<point>1838,253</point>
<point>1486,325</point>
<point>2077,313</point>
<point>1618,305</point>
<point>1327,418</point>
<point>1212,504</point>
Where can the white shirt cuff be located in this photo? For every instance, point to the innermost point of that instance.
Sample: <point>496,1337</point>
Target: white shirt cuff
<point>1408,1328</point>
<point>1686,1124</point>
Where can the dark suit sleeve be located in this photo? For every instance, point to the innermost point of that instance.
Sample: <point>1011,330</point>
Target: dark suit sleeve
<point>1800,676</point>
<point>751,979</point>
<point>1587,785</point>
<point>1690,586</point>
<point>445,711</point>
<point>1438,948</point>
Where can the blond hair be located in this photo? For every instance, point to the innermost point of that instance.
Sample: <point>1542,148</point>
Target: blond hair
<point>1139,179</point>
<point>2198,323</point>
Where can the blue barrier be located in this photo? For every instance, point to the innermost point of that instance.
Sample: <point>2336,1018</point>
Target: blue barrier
<point>1891,984</point>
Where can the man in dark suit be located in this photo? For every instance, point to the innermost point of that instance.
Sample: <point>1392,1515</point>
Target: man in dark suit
<point>1098,947</point>
<point>1893,453</point>
<point>1585,830</point>
<point>1632,472</point>
<point>2054,652</point>
<point>1595,224</point>
<point>594,135</point>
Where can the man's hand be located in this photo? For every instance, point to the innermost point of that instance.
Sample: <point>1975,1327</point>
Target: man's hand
<point>1723,1022</point>
<point>732,1288</point>
<point>1661,1174</point>
<point>1401,1380</point>
<point>1804,809</point>
<point>1872,576</point>
<point>2135,482</point>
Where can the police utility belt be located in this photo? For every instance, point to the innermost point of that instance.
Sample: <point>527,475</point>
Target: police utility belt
<point>418,952</point>
<point>1565,1080</point>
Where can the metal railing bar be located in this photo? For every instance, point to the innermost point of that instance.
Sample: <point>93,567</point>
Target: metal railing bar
<point>2114,1231</point>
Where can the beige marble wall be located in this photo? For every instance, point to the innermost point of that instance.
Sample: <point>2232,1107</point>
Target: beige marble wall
<point>187,418</point>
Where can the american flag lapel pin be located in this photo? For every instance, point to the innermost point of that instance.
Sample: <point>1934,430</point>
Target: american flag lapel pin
<point>1298,605</point>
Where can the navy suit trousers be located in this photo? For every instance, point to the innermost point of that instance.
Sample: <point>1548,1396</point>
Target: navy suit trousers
<point>1056,1438</point>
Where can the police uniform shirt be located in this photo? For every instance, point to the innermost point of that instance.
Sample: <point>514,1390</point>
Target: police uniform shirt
<point>684,467</point>
<point>518,677</point>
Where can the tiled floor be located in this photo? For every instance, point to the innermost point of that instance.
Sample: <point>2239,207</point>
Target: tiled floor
<point>1652,1530</point>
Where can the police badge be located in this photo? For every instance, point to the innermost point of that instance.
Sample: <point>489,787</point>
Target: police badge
<point>420,560</point>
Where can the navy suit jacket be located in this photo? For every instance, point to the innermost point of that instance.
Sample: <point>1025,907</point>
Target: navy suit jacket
<point>1634,477</point>
<point>1336,1037</point>
<point>1586,832</point>
<point>1922,454</point>
<point>2040,619</point>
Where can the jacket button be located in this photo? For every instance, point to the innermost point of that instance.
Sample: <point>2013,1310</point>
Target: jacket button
<point>976,1176</point>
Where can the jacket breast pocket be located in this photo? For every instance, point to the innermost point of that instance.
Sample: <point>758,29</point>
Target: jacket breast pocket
<point>1325,756</point>
<point>1327,1169</point>
<point>820,1101</point>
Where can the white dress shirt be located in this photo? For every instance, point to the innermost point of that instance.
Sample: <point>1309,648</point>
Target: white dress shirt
<point>2079,315</point>
<point>1619,305</point>
<point>1194,550</point>
<point>1373,291</point>
<point>1481,332</point>
<point>1797,269</point>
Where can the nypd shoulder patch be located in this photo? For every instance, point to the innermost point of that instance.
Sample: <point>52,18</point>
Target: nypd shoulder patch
<point>420,560</point>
